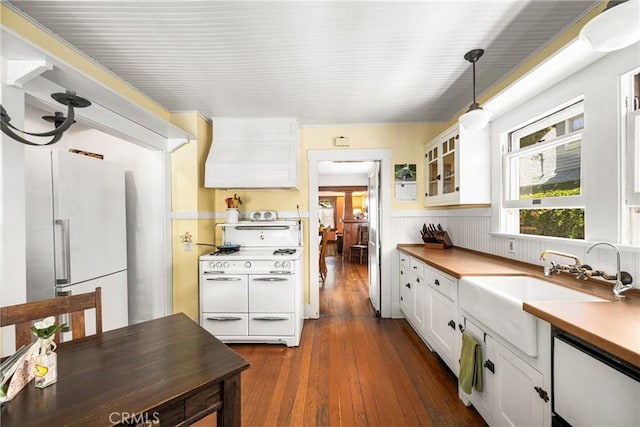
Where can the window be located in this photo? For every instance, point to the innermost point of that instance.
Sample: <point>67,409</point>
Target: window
<point>630,85</point>
<point>543,176</point>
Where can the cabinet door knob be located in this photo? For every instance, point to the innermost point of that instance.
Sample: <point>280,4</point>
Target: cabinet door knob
<point>438,177</point>
<point>457,188</point>
<point>452,324</point>
<point>426,194</point>
<point>542,393</point>
<point>436,282</point>
<point>418,279</point>
<point>408,285</point>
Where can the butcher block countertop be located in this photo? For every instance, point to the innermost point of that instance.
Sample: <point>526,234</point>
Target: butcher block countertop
<point>614,326</point>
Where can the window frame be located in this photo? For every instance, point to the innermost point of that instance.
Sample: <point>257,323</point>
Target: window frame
<point>511,205</point>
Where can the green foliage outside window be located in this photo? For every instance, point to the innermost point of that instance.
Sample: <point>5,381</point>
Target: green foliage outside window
<point>568,223</point>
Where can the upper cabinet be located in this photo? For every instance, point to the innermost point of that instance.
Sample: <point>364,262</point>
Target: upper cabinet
<point>253,153</point>
<point>457,168</point>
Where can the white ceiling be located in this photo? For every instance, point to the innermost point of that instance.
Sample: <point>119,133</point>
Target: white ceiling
<point>328,62</point>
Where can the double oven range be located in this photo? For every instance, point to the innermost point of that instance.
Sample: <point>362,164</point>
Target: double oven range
<point>251,289</point>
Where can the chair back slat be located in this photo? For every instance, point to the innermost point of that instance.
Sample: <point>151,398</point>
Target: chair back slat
<point>23,316</point>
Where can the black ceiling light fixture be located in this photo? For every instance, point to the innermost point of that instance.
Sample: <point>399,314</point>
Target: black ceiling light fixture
<point>616,27</point>
<point>60,122</point>
<point>475,118</point>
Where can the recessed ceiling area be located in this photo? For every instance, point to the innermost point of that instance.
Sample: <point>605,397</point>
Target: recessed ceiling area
<point>326,62</point>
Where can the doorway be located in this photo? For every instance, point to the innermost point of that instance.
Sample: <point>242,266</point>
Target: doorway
<point>375,186</point>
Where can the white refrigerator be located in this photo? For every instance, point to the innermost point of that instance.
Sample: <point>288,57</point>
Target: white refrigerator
<point>76,230</point>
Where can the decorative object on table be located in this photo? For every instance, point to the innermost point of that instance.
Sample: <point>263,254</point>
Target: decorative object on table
<point>46,366</point>
<point>17,370</point>
<point>435,237</point>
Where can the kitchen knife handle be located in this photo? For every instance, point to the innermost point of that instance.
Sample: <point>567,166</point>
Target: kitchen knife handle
<point>66,243</point>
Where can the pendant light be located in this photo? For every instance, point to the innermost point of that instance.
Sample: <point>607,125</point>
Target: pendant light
<point>60,122</point>
<point>617,27</point>
<point>475,118</point>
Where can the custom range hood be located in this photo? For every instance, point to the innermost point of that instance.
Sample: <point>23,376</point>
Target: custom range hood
<point>253,153</point>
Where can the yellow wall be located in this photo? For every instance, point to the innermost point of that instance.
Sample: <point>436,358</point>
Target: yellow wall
<point>189,196</point>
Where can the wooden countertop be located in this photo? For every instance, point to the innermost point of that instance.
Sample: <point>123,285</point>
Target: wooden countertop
<point>613,326</point>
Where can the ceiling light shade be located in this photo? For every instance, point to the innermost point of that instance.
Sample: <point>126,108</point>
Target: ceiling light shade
<point>475,118</point>
<point>617,27</point>
<point>60,122</point>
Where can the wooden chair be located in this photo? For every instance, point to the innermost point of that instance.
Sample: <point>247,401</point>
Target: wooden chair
<point>23,316</point>
<point>360,250</point>
<point>323,254</point>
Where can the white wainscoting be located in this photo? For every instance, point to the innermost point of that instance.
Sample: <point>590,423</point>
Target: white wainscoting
<point>471,229</point>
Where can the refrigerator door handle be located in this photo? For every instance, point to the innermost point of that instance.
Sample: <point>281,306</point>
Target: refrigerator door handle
<point>66,252</point>
<point>65,319</point>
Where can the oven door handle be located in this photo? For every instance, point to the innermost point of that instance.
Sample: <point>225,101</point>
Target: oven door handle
<point>224,279</point>
<point>271,318</point>
<point>213,272</point>
<point>270,279</point>
<point>224,318</point>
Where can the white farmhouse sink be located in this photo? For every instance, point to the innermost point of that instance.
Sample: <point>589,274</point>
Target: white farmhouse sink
<point>497,301</point>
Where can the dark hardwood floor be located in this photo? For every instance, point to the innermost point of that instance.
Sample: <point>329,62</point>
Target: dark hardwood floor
<point>351,369</point>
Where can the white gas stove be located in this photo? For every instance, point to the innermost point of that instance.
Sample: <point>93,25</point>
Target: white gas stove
<point>251,289</point>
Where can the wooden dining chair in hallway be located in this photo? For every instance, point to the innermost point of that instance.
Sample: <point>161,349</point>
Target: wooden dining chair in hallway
<point>360,250</point>
<point>23,316</point>
<point>324,236</point>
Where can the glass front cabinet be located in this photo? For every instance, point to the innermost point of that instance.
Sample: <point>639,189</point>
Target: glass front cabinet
<point>457,168</point>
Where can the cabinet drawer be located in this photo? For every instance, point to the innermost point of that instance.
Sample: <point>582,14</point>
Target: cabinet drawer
<point>442,284</point>
<point>404,260</point>
<point>220,324</point>
<point>224,293</point>
<point>417,267</point>
<point>271,294</point>
<point>271,324</point>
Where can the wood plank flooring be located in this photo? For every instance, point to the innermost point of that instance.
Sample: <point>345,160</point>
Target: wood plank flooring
<point>351,369</point>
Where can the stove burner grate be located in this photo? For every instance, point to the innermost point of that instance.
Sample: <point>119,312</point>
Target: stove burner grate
<point>225,251</point>
<point>284,252</point>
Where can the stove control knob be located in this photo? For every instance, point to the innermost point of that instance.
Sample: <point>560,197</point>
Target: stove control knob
<point>225,265</point>
<point>285,264</point>
<point>218,264</point>
<point>247,264</point>
<point>277,264</point>
<point>212,264</point>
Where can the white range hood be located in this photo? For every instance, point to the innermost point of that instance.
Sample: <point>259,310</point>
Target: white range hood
<point>253,153</point>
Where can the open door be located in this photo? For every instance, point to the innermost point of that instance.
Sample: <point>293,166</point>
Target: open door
<point>374,236</point>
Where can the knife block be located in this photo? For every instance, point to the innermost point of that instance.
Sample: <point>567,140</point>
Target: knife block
<point>441,242</point>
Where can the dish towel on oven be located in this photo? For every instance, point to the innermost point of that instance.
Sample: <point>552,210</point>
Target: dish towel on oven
<point>470,365</point>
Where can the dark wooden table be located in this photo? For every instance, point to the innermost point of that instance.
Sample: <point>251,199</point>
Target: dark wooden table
<point>167,371</point>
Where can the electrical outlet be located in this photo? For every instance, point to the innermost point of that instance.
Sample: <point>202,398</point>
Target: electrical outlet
<point>511,248</point>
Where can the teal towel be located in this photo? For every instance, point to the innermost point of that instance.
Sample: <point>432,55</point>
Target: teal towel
<point>470,376</point>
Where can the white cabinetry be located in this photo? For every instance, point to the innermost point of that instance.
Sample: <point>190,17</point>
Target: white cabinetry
<point>441,324</point>
<point>253,153</point>
<point>412,293</point>
<point>516,401</point>
<point>428,300</point>
<point>514,391</point>
<point>458,168</point>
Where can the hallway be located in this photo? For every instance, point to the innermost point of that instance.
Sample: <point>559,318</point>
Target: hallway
<point>351,369</point>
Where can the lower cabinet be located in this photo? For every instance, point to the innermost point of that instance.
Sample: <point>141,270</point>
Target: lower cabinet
<point>441,331</point>
<point>516,401</point>
<point>512,392</point>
